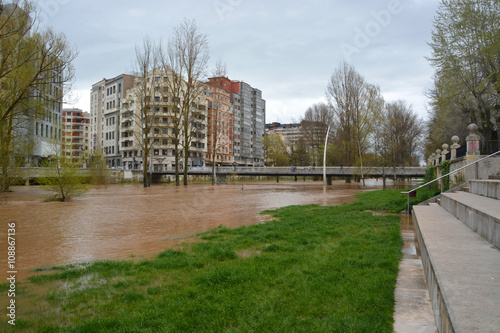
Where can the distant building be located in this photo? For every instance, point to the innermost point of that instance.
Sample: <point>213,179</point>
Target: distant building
<point>249,111</point>
<point>105,105</point>
<point>289,133</point>
<point>75,135</point>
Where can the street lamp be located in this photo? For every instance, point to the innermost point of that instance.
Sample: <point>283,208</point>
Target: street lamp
<point>324,157</point>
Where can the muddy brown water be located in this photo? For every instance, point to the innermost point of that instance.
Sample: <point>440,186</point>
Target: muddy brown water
<point>121,221</point>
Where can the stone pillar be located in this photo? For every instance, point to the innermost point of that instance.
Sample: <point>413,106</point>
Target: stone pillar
<point>473,153</point>
<point>438,156</point>
<point>472,142</point>
<point>444,152</point>
<point>433,159</point>
<point>438,170</point>
<point>454,147</point>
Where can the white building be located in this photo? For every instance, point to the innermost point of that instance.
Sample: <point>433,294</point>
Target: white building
<point>105,107</point>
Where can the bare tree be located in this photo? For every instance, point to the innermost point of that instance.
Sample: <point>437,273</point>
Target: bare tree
<point>187,56</point>
<point>34,65</point>
<point>355,104</point>
<point>219,125</point>
<point>402,131</point>
<point>314,126</point>
<point>141,101</point>
<point>219,69</point>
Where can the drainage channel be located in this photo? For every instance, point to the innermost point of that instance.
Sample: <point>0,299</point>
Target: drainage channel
<point>413,308</point>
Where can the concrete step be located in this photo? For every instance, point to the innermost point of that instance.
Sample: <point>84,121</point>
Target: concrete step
<point>487,188</point>
<point>462,272</point>
<point>481,214</point>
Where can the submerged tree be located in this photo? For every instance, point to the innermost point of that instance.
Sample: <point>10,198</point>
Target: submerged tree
<point>61,179</point>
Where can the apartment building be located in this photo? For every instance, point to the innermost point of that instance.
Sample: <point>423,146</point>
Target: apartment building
<point>105,106</point>
<point>162,115</point>
<point>251,118</point>
<point>47,132</point>
<point>249,110</point>
<point>219,126</point>
<point>289,133</point>
<point>75,135</point>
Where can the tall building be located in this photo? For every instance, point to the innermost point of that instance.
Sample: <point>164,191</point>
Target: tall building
<point>47,131</point>
<point>252,121</point>
<point>249,111</point>
<point>219,126</point>
<point>75,135</point>
<point>105,105</point>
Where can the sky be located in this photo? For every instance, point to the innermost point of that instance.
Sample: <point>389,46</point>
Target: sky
<point>286,48</point>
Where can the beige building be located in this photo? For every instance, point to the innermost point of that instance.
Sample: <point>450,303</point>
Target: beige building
<point>161,115</point>
<point>289,133</point>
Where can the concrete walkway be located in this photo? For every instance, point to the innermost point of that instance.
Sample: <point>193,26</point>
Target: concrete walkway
<point>413,309</point>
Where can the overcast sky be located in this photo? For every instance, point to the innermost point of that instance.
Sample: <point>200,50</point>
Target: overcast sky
<point>286,48</point>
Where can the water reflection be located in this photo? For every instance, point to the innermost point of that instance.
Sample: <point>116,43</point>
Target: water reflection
<point>124,220</point>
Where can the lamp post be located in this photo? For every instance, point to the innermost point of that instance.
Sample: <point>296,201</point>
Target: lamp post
<point>324,157</point>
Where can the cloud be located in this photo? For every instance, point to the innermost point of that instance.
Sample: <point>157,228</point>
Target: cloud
<point>287,49</point>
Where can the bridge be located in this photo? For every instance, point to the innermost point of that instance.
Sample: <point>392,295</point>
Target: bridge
<point>295,172</point>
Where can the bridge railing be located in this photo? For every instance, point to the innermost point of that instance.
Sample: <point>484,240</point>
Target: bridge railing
<point>332,170</point>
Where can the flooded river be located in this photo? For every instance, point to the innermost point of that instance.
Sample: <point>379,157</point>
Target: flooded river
<point>121,221</point>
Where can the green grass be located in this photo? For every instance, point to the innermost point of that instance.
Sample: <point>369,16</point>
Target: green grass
<point>313,269</point>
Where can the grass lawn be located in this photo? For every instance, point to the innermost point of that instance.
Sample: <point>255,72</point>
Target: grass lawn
<point>310,269</point>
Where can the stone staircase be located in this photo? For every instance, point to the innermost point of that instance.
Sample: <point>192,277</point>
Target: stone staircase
<point>459,242</point>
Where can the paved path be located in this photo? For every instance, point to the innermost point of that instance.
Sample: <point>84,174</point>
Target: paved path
<point>413,309</point>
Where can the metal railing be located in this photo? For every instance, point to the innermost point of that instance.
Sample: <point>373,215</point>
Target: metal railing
<point>444,176</point>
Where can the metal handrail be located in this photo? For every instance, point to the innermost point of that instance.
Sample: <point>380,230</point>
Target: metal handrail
<point>439,178</point>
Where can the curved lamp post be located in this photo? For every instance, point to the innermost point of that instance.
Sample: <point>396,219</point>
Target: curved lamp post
<point>324,157</point>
